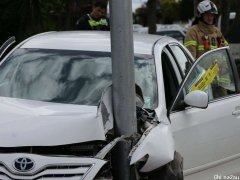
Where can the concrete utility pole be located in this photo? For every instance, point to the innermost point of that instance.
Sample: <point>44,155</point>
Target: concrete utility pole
<point>123,82</point>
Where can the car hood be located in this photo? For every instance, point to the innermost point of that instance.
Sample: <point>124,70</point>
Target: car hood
<point>37,123</point>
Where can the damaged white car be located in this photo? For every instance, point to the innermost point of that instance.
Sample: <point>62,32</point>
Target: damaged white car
<point>56,118</point>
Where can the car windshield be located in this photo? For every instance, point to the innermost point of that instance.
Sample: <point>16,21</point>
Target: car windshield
<point>67,76</point>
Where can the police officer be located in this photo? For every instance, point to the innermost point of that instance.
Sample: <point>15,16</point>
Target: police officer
<point>204,35</point>
<point>96,20</point>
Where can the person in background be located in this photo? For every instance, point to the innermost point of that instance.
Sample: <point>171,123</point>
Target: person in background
<point>96,20</point>
<point>204,35</point>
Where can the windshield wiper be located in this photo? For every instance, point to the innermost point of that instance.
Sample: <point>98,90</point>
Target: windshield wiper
<point>5,45</point>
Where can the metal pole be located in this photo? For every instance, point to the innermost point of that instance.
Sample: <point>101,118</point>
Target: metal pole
<point>123,81</point>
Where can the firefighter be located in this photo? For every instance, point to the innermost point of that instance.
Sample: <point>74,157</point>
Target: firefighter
<point>96,20</point>
<point>204,35</point>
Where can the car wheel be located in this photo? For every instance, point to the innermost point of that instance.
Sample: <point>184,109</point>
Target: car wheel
<point>171,171</point>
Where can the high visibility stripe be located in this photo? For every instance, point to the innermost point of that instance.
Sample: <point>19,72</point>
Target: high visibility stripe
<point>94,23</point>
<point>224,80</point>
<point>190,43</point>
<point>213,47</point>
<point>201,47</point>
<point>102,22</point>
<point>225,43</point>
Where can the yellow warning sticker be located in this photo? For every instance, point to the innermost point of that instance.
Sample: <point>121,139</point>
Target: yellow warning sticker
<point>206,78</point>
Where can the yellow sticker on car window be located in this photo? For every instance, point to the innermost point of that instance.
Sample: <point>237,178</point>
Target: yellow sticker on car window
<point>206,78</point>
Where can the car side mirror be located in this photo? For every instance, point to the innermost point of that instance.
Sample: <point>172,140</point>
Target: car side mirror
<point>197,99</point>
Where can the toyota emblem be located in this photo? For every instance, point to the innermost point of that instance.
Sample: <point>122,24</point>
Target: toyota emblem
<point>23,164</point>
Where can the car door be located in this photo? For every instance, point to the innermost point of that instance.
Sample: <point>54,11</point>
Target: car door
<point>208,139</point>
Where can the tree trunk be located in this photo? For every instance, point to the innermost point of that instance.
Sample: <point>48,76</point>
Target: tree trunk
<point>230,27</point>
<point>71,11</point>
<point>151,6</point>
<point>195,3</point>
<point>224,14</point>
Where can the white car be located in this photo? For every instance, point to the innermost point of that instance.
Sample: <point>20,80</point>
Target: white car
<point>52,83</point>
<point>172,30</point>
<point>136,27</point>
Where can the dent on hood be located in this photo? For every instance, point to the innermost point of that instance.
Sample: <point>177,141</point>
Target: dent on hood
<point>35,123</point>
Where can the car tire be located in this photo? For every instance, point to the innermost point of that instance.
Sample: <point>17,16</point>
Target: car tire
<point>171,171</point>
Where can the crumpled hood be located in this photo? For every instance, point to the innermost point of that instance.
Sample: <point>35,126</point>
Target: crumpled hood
<point>36,123</point>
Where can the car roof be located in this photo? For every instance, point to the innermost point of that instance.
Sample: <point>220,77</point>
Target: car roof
<point>87,40</point>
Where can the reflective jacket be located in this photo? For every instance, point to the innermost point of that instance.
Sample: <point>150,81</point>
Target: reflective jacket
<point>201,38</point>
<point>86,22</point>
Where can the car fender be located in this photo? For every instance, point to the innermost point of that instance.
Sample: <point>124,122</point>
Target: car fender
<point>157,145</point>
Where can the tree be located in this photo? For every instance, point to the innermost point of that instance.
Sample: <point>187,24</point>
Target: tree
<point>19,18</point>
<point>186,9</point>
<point>170,11</point>
<point>230,28</point>
<point>23,18</point>
<point>151,9</point>
<point>159,11</point>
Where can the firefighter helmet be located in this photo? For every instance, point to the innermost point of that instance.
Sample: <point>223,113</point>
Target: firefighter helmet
<point>206,6</point>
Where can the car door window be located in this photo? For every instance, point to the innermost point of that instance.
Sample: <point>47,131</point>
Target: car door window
<point>171,84</point>
<point>212,74</point>
<point>181,58</point>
